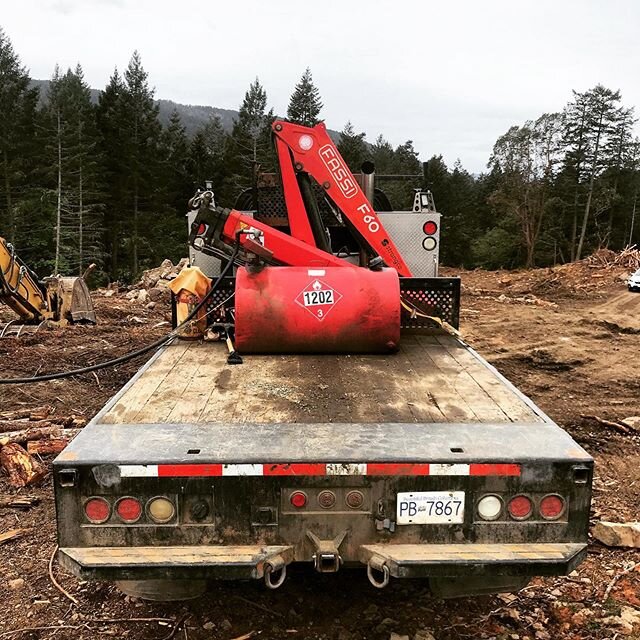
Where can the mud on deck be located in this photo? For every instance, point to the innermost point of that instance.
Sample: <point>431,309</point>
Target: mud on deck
<point>432,379</point>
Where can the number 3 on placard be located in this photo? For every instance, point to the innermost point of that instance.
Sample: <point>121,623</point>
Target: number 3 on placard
<point>320,313</point>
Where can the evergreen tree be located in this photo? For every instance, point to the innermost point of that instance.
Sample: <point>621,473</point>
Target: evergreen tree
<point>601,114</point>
<point>111,126</point>
<point>17,136</point>
<point>175,159</point>
<point>250,149</point>
<point>140,160</point>
<point>206,157</point>
<point>305,104</point>
<point>352,147</point>
<point>382,155</point>
<point>73,151</point>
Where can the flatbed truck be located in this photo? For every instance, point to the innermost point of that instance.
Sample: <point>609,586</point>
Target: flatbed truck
<point>426,463</point>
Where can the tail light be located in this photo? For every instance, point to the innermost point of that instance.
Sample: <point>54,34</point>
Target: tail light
<point>129,509</point>
<point>298,499</point>
<point>161,510</point>
<point>97,510</point>
<point>430,227</point>
<point>552,506</point>
<point>489,507</point>
<point>520,507</point>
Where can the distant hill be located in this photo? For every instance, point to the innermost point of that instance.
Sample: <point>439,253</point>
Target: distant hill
<point>193,116</point>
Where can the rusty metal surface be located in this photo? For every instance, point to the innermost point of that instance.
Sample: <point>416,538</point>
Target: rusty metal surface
<point>245,561</point>
<point>320,442</point>
<point>422,560</point>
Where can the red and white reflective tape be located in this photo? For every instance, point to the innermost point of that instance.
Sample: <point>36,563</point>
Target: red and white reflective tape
<point>318,469</point>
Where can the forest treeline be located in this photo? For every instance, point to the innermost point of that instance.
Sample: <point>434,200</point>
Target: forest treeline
<point>107,183</point>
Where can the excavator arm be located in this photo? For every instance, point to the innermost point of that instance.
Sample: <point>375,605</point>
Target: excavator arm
<point>58,300</point>
<point>19,288</point>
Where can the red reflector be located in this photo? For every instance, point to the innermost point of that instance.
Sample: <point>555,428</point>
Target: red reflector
<point>520,507</point>
<point>97,510</point>
<point>129,509</point>
<point>202,228</point>
<point>298,499</point>
<point>430,227</point>
<point>551,507</point>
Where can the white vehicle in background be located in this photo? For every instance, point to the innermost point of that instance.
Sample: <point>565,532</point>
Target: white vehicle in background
<point>634,281</point>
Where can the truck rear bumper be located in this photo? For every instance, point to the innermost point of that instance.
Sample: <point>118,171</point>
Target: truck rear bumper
<point>251,561</point>
<point>450,560</point>
<point>192,562</point>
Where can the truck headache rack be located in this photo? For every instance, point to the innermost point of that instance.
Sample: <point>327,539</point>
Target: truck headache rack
<point>437,297</point>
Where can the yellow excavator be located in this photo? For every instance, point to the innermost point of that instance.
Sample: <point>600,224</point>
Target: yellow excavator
<point>55,300</point>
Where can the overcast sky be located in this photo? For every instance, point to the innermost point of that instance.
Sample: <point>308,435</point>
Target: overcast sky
<point>451,76</point>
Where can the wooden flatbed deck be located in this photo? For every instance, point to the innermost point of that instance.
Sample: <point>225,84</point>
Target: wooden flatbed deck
<point>432,379</point>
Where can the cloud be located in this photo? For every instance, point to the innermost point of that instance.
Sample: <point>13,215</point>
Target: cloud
<point>67,7</point>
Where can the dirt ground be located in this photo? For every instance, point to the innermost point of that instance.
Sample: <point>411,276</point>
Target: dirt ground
<point>569,338</point>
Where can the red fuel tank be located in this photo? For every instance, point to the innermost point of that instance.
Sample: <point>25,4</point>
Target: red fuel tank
<point>326,310</point>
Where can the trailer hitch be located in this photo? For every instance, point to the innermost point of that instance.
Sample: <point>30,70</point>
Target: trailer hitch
<point>327,558</point>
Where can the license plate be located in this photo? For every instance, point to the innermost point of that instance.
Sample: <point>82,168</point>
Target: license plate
<point>430,507</point>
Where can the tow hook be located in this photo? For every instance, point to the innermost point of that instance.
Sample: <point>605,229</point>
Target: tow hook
<point>275,572</point>
<point>327,558</point>
<point>378,564</point>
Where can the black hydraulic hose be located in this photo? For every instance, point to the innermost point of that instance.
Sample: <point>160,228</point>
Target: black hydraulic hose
<point>133,354</point>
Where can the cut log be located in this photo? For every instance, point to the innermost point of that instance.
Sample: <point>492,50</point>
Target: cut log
<point>19,425</point>
<point>11,535</point>
<point>40,413</point>
<point>23,469</point>
<point>43,447</point>
<point>18,502</point>
<point>72,422</point>
<point>69,422</point>
<point>36,433</point>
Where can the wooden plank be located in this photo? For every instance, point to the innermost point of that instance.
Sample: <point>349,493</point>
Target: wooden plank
<point>130,403</point>
<point>168,393</point>
<point>435,385</point>
<point>339,408</point>
<point>263,389</point>
<point>195,396</point>
<point>429,380</point>
<point>485,408</point>
<point>510,403</point>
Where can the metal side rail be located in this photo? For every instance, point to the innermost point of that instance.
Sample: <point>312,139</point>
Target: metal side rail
<point>426,560</point>
<point>176,562</point>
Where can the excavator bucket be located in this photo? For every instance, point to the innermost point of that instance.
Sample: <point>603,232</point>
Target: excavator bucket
<point>74,301</point>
